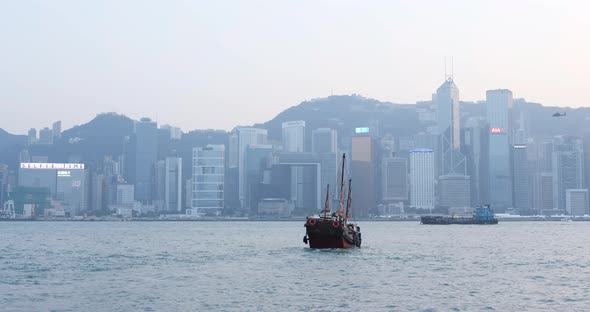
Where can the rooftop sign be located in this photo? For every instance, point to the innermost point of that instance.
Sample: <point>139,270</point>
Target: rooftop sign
<point>51,166</point>
<point>361,130</point>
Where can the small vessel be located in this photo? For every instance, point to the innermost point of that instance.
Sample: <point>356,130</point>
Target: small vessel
<point>332,230</point>
<point>481,215</point>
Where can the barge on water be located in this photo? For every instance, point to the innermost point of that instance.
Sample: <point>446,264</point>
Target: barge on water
<point>481,215</point>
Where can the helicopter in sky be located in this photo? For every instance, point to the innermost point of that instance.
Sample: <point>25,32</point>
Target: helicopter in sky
<point>558,114</point>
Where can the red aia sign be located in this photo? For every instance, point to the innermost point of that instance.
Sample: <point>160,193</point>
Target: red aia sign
<point>495,130</point>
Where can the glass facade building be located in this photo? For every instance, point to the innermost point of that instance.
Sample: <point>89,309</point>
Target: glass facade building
<point>208,180</point>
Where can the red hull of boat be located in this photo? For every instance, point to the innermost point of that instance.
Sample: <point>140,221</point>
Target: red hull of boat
<point>328,242</point>
<point>323,233</point>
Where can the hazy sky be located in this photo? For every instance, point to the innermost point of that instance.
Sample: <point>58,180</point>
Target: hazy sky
<point>217,64</point>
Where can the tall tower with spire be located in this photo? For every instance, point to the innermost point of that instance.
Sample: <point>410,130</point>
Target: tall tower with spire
<point>448,124</point>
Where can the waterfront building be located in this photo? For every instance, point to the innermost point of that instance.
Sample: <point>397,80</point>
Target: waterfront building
<point>576,202</point>
<point>422,178</point>
<point>520,177</point>
<point>208,180</point>
<point>65,183</point>
<point>567,168</point>
<point>499,115</point>
<point>454,192</point>
<point>173,184</point>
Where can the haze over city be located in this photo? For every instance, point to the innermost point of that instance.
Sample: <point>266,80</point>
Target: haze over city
<point>220,64</point>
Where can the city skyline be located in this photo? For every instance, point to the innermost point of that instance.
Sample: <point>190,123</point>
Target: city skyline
<point>260,60</point>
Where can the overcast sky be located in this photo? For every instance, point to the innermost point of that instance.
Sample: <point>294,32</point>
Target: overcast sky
<point>218,64</point>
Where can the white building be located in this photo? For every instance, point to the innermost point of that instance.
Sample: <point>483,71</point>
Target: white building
<point>294,136</point>
<point>208,180</point>
<point>576,201</point>
<point>173,184</point>
<point>422,178</point>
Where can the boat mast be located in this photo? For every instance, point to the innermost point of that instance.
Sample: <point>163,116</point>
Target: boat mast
<point>341,203</point>
<point>327,205</point>
<point>349,200</point>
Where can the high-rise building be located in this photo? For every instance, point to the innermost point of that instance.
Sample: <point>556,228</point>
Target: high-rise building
<point>294,136</point>
<point>324,140</point>
<point>160,185</point>
<point>32,136</point>
<point>97,191</point>
<point>239,140</point>
<point>576,202</point>
<point>56,130</point>
<point>422,178</point>
<point>173,184</point>
<point>586,148</point>
<point>66,183</point>
<point>475,146</point>
<point>257,159</point>
<point>175,132</point>
<point>543,189</point>
<point>499,116</point>
<point>3,183</point>
<point>567,168</point>
<point>395,179</point>
<point>208,180</point>
<point>363,169</point>
<point>454,191</point>
<point>452,162</point>
<point>45,136</point>
<point>146,149</point>
<point>304,191</point>
<point>520,177</point>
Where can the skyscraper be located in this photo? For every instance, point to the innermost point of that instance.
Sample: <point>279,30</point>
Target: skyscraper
<point>241,138</point>
<point>475,148</point>
<point>45,136</point>
<point>324,140</point>
<point>294,136</point>
<point>499,116</point>
<point>520,177</point>
<point>208,180</point>
<point>56,130</point>
<point>454,191</point>
<point>395,179</point>
<point>146,149</point>
<point>173,184</point>
<point>422,178</point>
<point>32,136</point>
<point>448,123</point>
<point>363,172</point>
<point>567,168</point>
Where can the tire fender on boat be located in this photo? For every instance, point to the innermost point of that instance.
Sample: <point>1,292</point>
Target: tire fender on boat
<point>311,221</point>
<point>335,224</point>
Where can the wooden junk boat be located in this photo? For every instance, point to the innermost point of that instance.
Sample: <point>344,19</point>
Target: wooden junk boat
<point>332,230</point>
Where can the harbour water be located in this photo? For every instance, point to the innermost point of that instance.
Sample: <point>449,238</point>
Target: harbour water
<point>264,266</point>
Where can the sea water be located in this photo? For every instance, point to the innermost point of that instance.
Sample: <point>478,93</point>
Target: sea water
<point>264,266</point>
